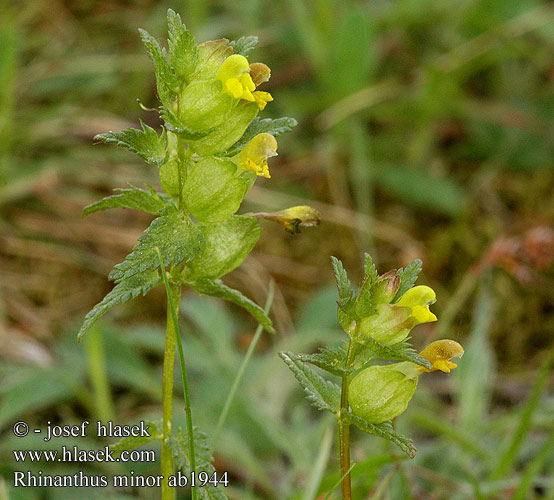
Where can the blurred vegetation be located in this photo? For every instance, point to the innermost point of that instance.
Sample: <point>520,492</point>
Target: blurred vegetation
<point>425,131</point>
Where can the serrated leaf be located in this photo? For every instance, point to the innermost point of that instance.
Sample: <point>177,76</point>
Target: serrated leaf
<point>173,124</point>
<point>321,393</point>
<point>146,143</point>
<point>216,288</point>
<point>258,126</point>
<point>385,431</point>
<point>166,79</point>
<point>125,290</point>
<point>227,245</point>
<point>331,360</point>
<point>397,352</point>
<point>132,442</point>
<point>203,456</point>
<point>344,286</point>
<point>183,52</point>
<point>408,276</point>
<point>365,303</point>
<point>134,198</point>
<point>174,234</point>
<point>244,45</point>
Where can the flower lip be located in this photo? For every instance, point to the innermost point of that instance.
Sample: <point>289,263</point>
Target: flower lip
<point>439,354</point>
<point>418,299</point>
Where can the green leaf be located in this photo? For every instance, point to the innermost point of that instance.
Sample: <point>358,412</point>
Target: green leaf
<point>134,198</point>
<point>244,45</point>
<point>258,126</point>
<point>173,124</point>
<point>204,459</point>
<point>132,442</point>
<point>365,303</point>
<point>166,79</point>
<point>402,351</point>
<point>183,52</point>
<point>385,431</point>
<point>329,359</point>
<point>216,288</point>
<point>174,234</point>
<point>344,286</point>
<point>227,245</point>
<point>212,190</point>
<point>146,143</point>
<point>408,276</point>
<point>125,290</point>
<point>321,393</point>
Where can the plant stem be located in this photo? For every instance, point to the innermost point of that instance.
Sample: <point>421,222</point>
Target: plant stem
<point>173,298</point>
<point>344,430</point>
<point>167,394</point>
<point>242,369</point>
<point>98,376</point>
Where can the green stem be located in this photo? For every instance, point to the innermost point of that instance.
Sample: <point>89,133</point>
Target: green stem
<point>98,376</point>
<point>344,430</point>
<point>167,395</point>
<point>242,369</point>
<point>173,298</point>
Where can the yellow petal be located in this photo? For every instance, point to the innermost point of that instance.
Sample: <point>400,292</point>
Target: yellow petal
<point>233,67</point>
<point>439,354</point>
<point>255,154</point>
<point>420,295</point>
<point>262,98</point>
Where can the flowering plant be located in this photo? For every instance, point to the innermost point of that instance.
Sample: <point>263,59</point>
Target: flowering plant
<point>378,318</point>
<point>211,148</point>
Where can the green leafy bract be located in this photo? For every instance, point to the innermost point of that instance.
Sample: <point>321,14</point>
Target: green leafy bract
<point>166,79</point>
<point>126,290</point>
<point>173,233</point>
<point>173,124</point>
<point>183,52</point>
<point>227,244</point>
<point>397,352</point>
<point>244,45</point>
<point>258,126</point>
<point>134,198</point>
<point>321,393</point>
<point>216,288</point>
<point>213,191</point>
<point>385,431</point>
<point>146,143</point>
<point>408,276</point>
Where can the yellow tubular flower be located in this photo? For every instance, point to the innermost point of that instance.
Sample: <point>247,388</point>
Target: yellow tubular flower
<point>440,353</point>
<point>418,299</point>
<point>238,83</point>
<point>255,154</point>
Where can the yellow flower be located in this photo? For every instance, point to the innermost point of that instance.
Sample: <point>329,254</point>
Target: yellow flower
<point>418,299</point>
<point>237,82</point>
<point>439,354</point>
<point>255,154</point>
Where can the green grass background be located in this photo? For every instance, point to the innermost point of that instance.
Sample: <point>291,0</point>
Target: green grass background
<point>425,131</point>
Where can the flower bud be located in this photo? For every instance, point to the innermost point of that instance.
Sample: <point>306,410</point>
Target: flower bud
<point>293,218</point>
<point>380,393</point>
<point>386,288</point>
